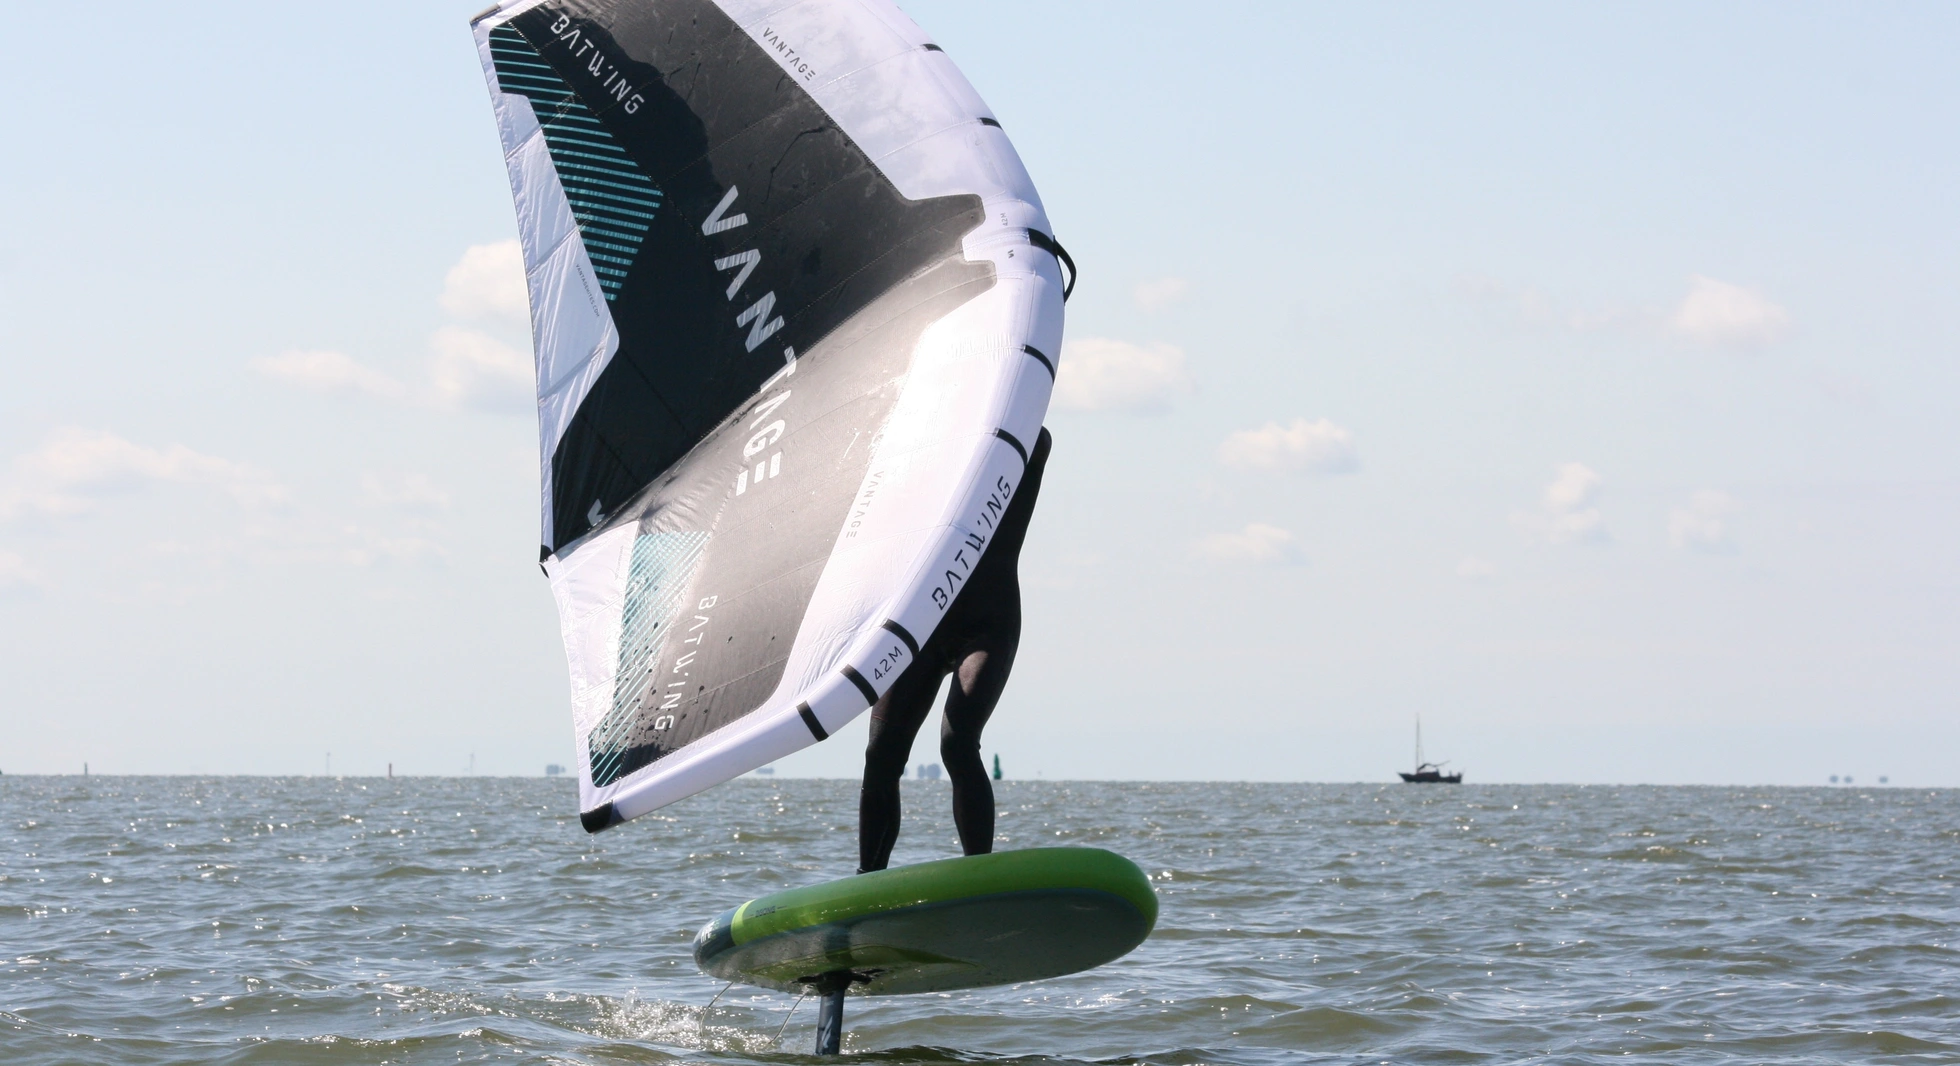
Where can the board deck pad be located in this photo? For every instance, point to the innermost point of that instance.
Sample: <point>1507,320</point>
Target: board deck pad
<point>939,926</point>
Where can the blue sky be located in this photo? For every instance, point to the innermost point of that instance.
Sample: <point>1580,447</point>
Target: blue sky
<point>1583,379</point>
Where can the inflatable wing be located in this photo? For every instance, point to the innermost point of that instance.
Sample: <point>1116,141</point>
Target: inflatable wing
<point>796,310</point>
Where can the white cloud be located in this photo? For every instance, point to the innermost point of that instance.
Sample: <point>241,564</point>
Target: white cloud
<point>1721,314</point>
<point>488,282</point>
<point>1099,374</point>
<point>78,468</point>
<point>1475,569</point>
<point>1318,447</point>
<point>1566,514</point>
<point>1701,522</point>
<point>1575,486</point>
<point>1257,544</point>
<point>1159,293</point>
<point>96,476</point>
<point>16,576</point>
<point>360,547</point>
<point>472,369</point>
<point>331,372</point>
<point>406,492</point>
<point>467,368</point>
<point>1715,313</point>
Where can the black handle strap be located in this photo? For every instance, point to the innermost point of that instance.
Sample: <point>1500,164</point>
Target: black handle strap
<point>1053,247</point>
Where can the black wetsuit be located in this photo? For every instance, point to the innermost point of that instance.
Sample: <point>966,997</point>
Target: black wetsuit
<point>975,643</point>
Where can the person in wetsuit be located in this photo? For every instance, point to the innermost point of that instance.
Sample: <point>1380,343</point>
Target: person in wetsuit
<point>975,642</point>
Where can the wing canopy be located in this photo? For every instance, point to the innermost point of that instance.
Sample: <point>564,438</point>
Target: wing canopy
<point>788,322</point>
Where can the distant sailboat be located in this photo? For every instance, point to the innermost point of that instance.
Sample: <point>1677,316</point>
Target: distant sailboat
<point>1429,773</point>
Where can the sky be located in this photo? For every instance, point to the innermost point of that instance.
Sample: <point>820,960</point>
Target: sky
<point>1583,379</point>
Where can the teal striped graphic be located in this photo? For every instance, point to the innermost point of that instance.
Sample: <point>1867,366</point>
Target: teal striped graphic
<point>612,199</point>
<point>656,579</point>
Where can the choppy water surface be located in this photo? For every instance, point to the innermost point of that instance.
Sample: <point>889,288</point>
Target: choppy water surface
<point>236,920</point>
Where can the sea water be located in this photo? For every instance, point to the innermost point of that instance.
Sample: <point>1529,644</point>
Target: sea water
<point>444,920</point>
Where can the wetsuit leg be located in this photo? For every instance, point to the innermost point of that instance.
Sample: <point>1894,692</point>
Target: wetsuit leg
<point>976,688</point>
<point>976,640</point>
<point>895,721</point>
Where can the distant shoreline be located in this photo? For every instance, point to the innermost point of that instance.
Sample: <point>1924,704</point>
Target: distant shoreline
<point>1009,782</point>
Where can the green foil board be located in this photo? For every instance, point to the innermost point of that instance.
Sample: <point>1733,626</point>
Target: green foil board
<point>937,926</point>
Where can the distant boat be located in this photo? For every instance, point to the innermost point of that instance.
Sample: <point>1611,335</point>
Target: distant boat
<point>1429,773</point>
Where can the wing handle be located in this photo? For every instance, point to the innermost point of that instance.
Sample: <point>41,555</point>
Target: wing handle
<point>1054,247</point>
